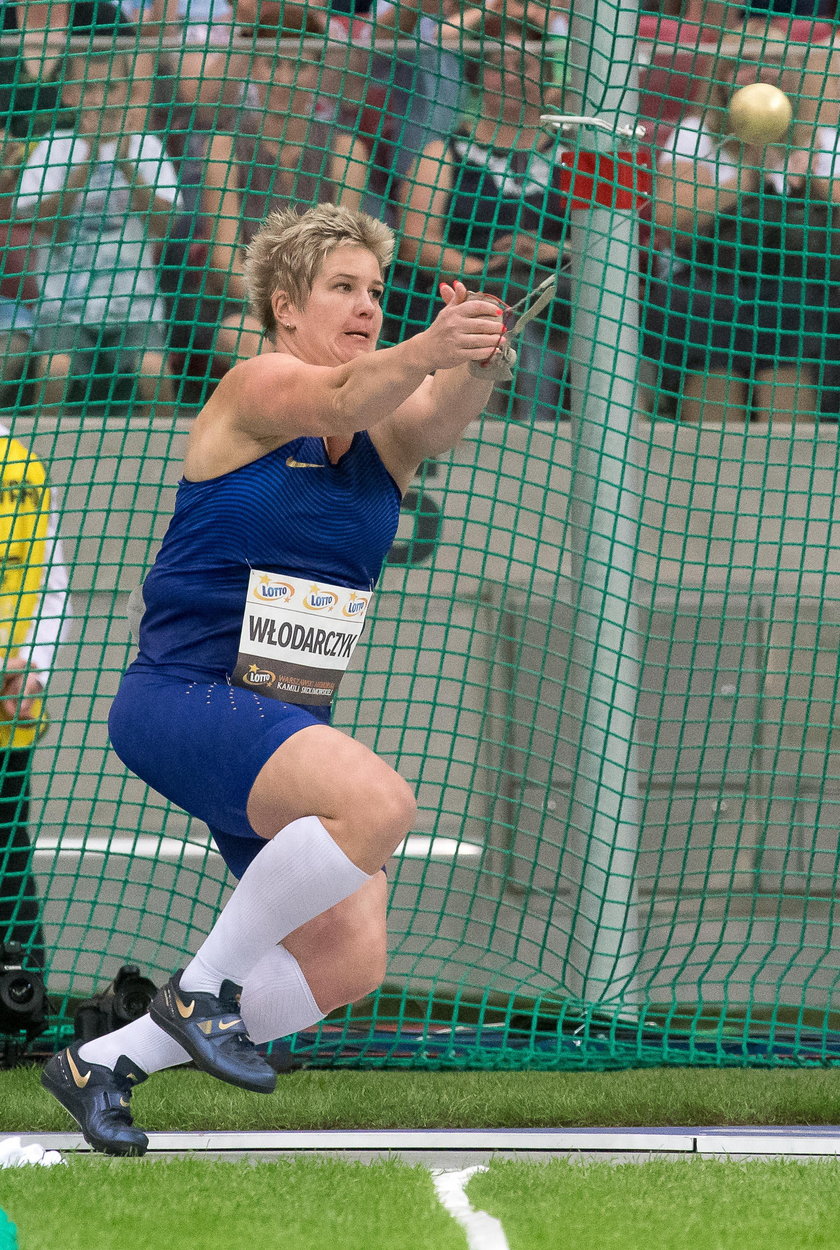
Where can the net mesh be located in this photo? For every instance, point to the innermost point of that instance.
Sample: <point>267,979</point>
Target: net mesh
<point>604,649</point>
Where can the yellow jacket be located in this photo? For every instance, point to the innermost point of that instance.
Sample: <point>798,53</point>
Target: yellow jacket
<point>24,521</point>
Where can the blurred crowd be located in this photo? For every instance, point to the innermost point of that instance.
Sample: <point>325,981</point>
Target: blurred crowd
<point>143,143</point>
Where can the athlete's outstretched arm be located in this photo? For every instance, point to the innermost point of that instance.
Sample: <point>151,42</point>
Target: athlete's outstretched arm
<point>278,394</point>
<point>434,418</point>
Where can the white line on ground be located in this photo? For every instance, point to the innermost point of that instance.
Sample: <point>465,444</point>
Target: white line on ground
<point>401,1139</point>
<point>794,1140</point>
<point>484,1232</point>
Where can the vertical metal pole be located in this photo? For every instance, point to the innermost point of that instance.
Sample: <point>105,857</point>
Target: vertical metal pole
<point>604,519</point>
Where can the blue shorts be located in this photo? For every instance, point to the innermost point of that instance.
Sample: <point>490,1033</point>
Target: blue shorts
<point>201,742</point>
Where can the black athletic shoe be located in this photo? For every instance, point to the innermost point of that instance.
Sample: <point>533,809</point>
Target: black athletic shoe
<point>212,1032</point>
<point>98,1098</point>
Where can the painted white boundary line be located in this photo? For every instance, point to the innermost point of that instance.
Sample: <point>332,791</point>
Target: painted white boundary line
<point>420,1139</point>
<point>793,1141</point>
<point>758,1144</point>
<point>484,1232</point>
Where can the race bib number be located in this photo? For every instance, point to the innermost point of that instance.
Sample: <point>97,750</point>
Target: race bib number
<point>298,637</point>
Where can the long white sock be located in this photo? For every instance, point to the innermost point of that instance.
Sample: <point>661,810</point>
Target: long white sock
<point>276,998</point>
<point>299,874</point>
<point>276,1001</point>
<point>141,1041</point>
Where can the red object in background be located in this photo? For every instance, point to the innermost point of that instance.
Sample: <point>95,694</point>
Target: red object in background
<point>620,180</point>
<point>670,29</point>
<point>17,281</point>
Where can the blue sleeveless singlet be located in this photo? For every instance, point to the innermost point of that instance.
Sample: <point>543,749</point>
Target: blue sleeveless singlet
<point>292,512</point>
<point>176,720</point>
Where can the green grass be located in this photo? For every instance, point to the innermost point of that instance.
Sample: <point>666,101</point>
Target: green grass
<point>310,1204</point>
<point>99,1204</point>
<point>181,1204</point>
<point>707,1204</point>
<point>352,1099</point>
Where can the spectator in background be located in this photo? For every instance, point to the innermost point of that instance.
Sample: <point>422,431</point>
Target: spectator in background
<point>16,321</point>
<point>433,86</point>
<point>483,205</point>
<point>32,67</point>
<point>34,615</point>
<point>18,292</point>
<point>416,95</point>
<point>328,79</point>
<point>497,18</point>
<point>287,145</point>
<point>267,150</point>
<point>730,14</point>
<point>814,81</point>
<point>234,210</point>
<point>289,148</point>
<point>198,22</point>
<point>17,327</point>
<point>224,76</point>
<point>294,126</point>
<point>96,196</point>
<point>191,31</point>
<point>740,309</point>
<point>758,10</point>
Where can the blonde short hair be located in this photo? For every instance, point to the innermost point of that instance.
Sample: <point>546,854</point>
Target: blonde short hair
<point>290,247</point>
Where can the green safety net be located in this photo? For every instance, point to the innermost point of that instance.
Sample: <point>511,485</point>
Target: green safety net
<point>604,648</point>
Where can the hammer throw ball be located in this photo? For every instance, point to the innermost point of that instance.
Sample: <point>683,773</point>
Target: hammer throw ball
<point>759,113</point>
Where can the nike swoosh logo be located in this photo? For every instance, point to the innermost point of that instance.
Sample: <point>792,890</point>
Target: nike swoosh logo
<point>206,1026</point>
<point>291,463</point>
<point>183,1010</point>
<point>81,1081</point>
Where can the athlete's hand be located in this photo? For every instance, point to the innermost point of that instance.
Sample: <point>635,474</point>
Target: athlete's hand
<point>467,329</point>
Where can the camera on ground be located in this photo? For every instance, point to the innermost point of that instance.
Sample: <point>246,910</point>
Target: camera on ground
<point>125,999</point>
<point>22,994</point>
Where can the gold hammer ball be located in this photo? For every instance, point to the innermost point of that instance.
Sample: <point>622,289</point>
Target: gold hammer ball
<point>759,113</point>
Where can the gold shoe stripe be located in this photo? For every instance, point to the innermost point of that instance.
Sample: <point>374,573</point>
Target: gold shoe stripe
<point>183,1010</point>
<point>81,1081</point>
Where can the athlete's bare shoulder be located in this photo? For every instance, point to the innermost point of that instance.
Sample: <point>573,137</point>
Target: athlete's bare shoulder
<point>226,434</point>
<point>255,371</point>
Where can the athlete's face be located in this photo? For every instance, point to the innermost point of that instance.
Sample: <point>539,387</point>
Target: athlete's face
<point>343,315</point>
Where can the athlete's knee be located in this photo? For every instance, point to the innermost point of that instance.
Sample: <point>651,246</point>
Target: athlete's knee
<point>359,973</point>
<point>344,952</point>
<point>399,807</point>
<point>368,979</point>
<point>364,977</point>
<point>385,810</point>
